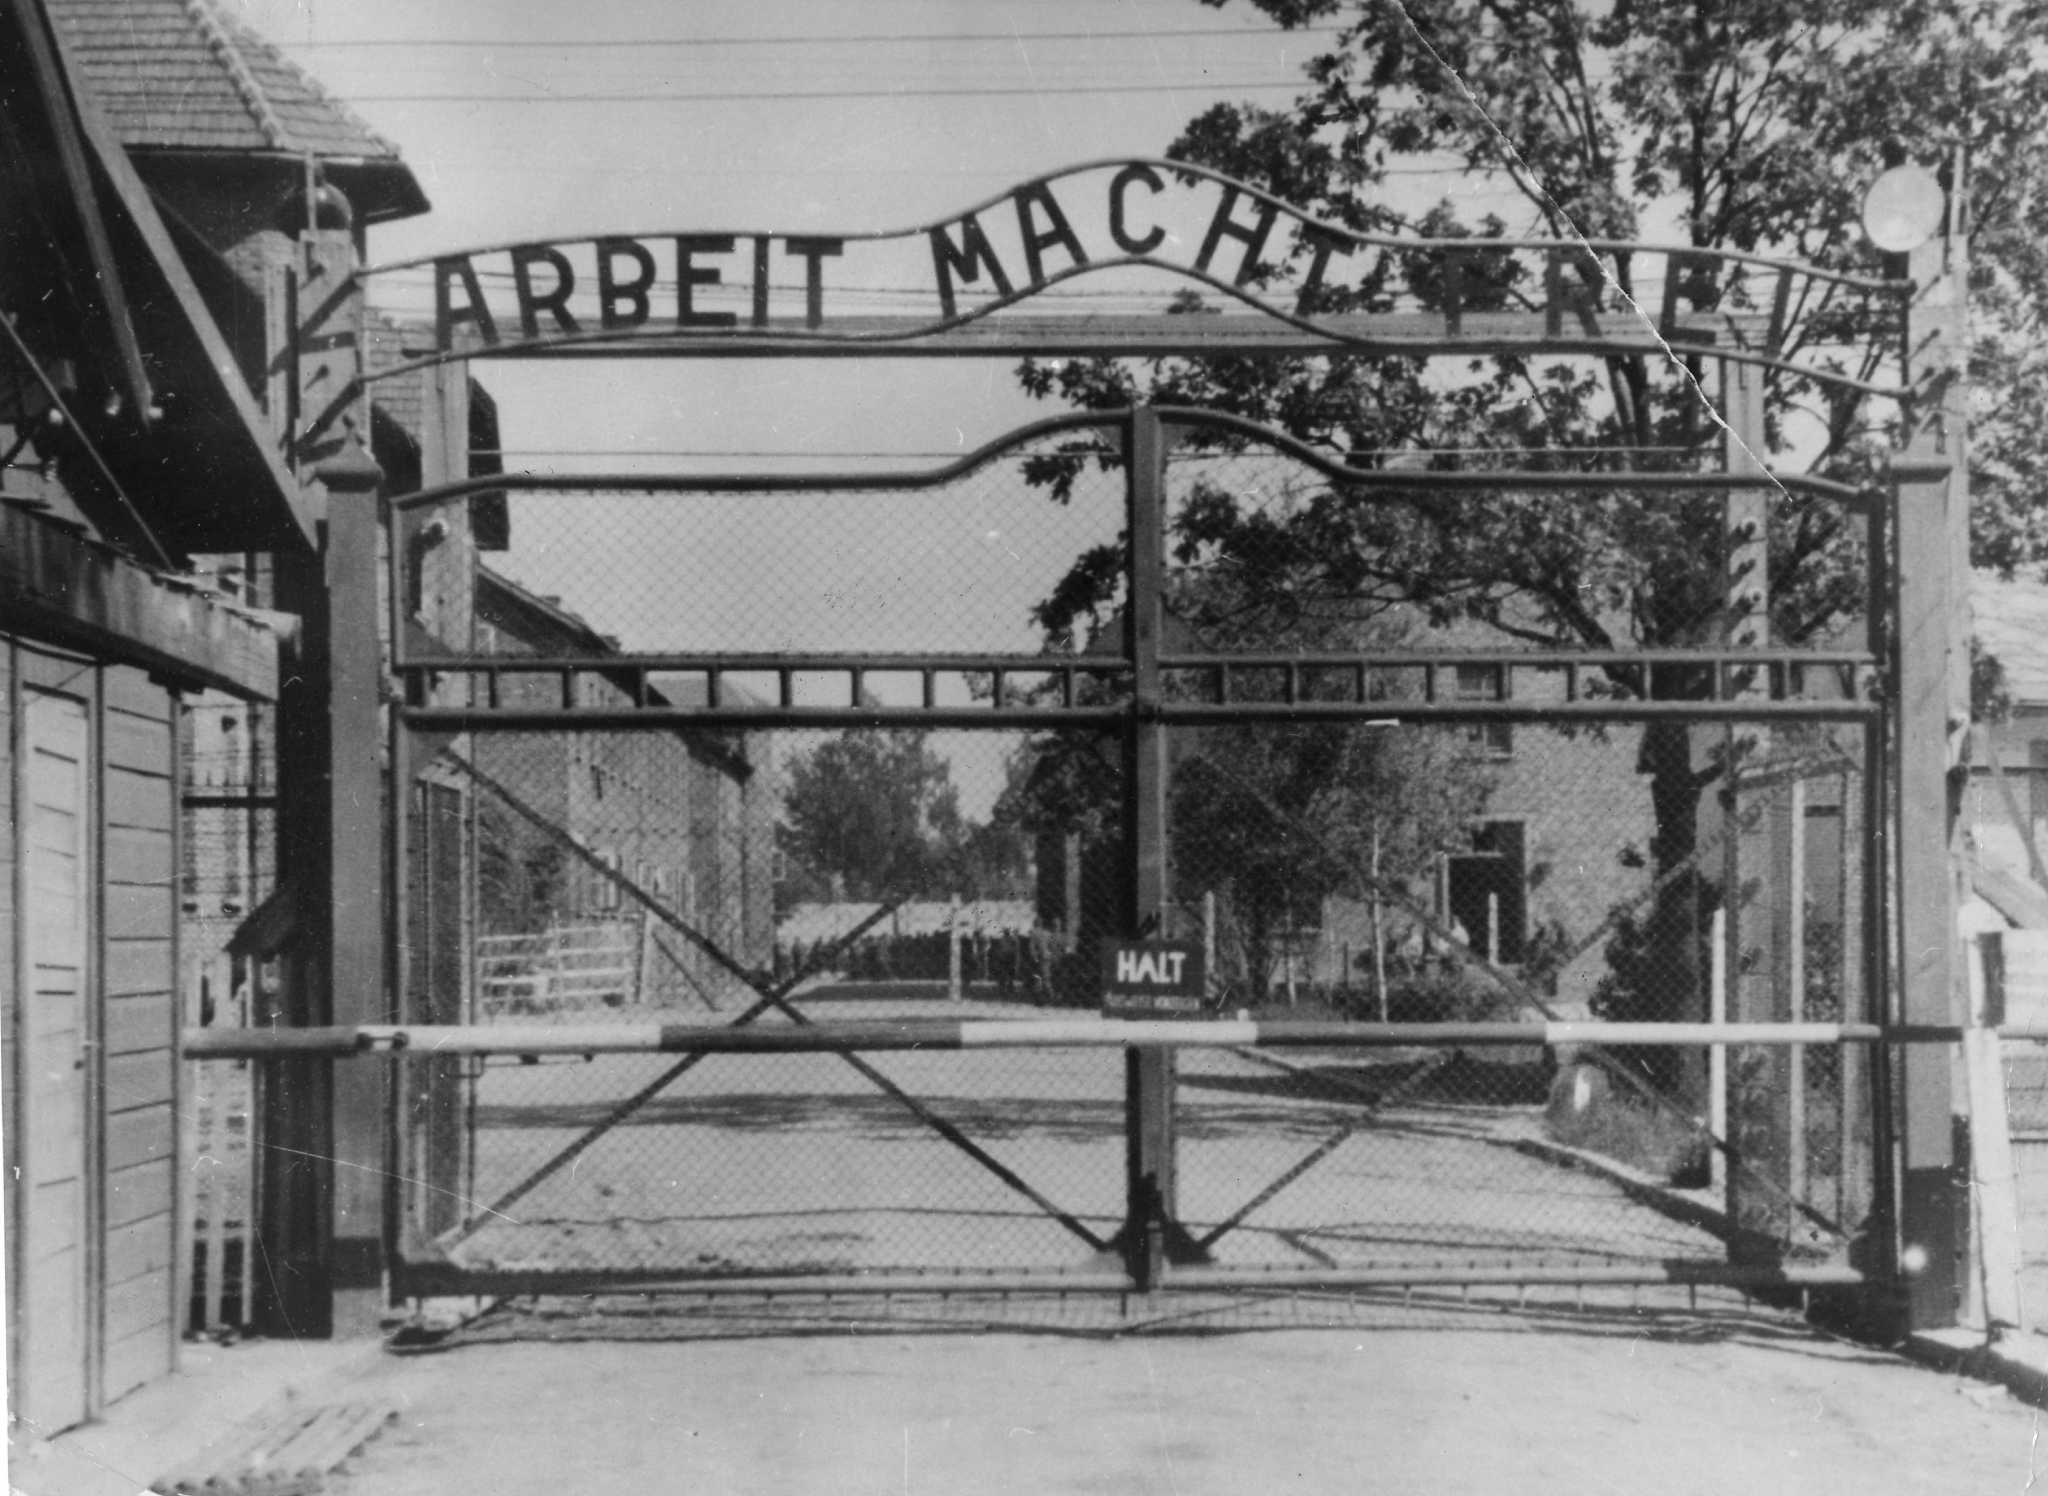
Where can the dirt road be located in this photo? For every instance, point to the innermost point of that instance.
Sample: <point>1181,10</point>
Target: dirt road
<point>1405,1402</point>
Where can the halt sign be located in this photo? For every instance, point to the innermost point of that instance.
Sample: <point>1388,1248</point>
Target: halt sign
<point>1152,979</point>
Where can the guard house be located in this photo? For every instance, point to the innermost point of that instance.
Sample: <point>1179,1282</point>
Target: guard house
<point>157,553</point>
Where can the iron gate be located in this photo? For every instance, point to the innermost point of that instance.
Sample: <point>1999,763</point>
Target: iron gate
<point>752,755</point>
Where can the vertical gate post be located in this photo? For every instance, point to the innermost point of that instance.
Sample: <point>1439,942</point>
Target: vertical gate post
<point>1932,501</point>
<point>1930,1214</point>
<point>1754,894</point>
<point>324,1207</point>
<point>1148,1069</point>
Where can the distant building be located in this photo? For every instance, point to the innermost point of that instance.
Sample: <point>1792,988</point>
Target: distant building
<point>2005,813</point>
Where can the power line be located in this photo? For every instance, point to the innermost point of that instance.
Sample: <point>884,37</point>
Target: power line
<point>588,44</point>
<point>766,96</point>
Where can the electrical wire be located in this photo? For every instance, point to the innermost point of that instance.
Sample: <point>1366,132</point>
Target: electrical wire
<point>774,96</point>
<point>588,44</point>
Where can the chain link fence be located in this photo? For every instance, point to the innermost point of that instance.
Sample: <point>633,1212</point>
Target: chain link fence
<point>1386,861</point>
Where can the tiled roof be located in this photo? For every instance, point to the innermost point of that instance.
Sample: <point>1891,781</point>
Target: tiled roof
<point>180,75</point>
<point>2012,624</point>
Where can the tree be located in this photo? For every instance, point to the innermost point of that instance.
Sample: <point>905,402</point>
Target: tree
<point>872,813</point>
<point>1272,818</point>
<point>1753,126</point>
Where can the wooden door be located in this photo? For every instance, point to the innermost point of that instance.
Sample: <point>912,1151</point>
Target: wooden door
<point>55,848</point>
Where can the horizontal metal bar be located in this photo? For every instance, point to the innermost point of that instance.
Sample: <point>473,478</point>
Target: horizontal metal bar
<point>1185,714</point>
<point>434,1277</point>
<point>765,663</point>
<point>1408,480</point>
<point>438,1275</point>
<point>1623,709</point>
<point>611,719</point>
<point>1702,1273</point>
<point>964,1034</point>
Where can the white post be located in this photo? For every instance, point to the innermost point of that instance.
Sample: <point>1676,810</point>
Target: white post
<point>1717,1055</point>
<point>1379,928</point>
<point>1493,928</point>
<point>953,950</point>
<point>1795,978</point>
<point>1209,941</point>
<point>1287,950</point>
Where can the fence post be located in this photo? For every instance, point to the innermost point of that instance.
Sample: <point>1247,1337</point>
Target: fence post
<point>1151,1233</point>
<point>953,948</point>
<point>1717,1055</point>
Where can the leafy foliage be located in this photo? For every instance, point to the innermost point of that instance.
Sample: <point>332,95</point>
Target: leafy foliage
<point>872,815</point>
<point>1738,125</point>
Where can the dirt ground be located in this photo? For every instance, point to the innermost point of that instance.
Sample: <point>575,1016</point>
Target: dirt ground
<point>1407,1401</point>
<point>792,1163</point>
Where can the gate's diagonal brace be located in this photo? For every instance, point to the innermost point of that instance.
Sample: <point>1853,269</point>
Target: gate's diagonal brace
<point>777,998</point>
<point>1515,987</point>
<point>968,1146</point>
<point>647,1093</point>
<point>646,900</point>
<point>1237,1217</point>
<point>1375,1105</point>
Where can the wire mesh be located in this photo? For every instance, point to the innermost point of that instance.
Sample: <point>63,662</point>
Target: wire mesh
<point>1379,868</point>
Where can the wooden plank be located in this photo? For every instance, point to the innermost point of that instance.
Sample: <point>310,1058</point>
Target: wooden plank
<point>135,799</point>
<point>138,1192</point>
<point>139,1357</point>
<point>138,743</point>
<point>142,1300</point>
<point>59,1208</point>
<point>137,1023</point>
<point>56,1143</point>
<point>136,1080</point>
<point>131,692</point>
<point>138,911</point>
<point>132,966</point>
<point>139,1249</point>
<point>138,854</point>
<point>140,1023</point>
<point>140,1136</point>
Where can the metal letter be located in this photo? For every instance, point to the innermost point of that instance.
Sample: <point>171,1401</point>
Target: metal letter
<point>966,258</point>
<point>690,275</point>
<point>1137,172</point>
<point>611,291</point>
<point>1252,236</point>
<point>524,258</point>
<point>1057,230</point>
<point>1326,244</point>
<point>813,253</point>
<point>447,315</point>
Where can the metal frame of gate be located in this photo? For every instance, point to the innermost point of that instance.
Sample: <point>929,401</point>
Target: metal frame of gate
<point>1745,685</point>
<point>1906,686</point>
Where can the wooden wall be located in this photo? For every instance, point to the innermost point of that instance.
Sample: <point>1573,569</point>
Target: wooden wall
<point>129,1122</point>
<point>139,973</point>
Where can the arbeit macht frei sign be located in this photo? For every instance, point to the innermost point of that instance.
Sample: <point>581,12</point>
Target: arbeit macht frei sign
<point>1163,243</point>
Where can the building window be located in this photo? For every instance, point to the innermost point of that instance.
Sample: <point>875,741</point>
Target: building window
<point>1486,892</point>
<point>1485,683</point>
